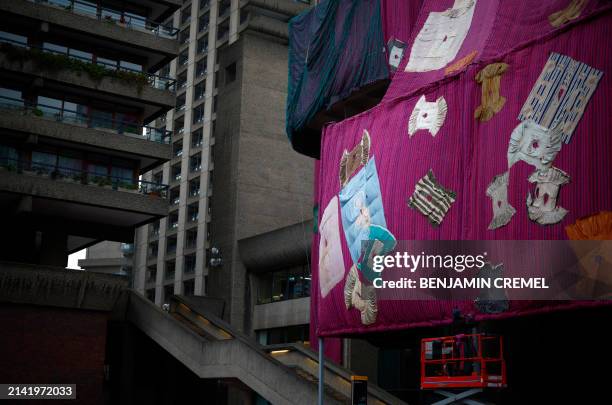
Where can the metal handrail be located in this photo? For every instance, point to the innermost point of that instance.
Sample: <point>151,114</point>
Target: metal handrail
<point>74,117</point>
<point>155,81</point>
<point>98,12</point>
<point>84,177</point>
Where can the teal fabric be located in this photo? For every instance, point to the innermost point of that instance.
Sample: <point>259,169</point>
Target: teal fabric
<point>335,48</point>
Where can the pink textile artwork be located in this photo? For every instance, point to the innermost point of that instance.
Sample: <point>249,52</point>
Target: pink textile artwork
<point>466,155</point>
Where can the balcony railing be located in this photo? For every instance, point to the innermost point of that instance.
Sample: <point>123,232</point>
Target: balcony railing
<point>79,176</point>
<point>133,76</point>
<point>65,115</point>
<point>112,16</point>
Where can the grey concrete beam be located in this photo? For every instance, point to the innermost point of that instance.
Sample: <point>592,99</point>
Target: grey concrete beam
<point>281,314</point>
<point>58,287</point>
<point>43,187</point>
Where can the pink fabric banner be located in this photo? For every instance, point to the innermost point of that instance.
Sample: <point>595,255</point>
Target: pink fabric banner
<point>465,154</point>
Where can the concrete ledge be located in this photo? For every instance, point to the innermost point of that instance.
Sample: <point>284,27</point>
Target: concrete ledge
<point>163,99</point>
<point>91,26</point>
<point>282,313</point>
<point>58,287</point>
<point>31,124</point>
<point>43,187</point>
<point>287,7</point>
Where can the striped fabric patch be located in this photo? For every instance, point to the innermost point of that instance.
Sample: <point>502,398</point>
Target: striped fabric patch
<point>431,199</point>
<point>560,94</point>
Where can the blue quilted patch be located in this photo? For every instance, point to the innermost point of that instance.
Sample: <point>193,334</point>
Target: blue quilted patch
<point>361,206</point>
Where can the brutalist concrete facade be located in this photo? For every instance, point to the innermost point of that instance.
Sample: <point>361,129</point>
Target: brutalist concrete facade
<point>230,120</point>
<point>77,90</point>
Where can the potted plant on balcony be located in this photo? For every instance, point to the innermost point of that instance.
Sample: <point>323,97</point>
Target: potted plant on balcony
<point>129,187</point>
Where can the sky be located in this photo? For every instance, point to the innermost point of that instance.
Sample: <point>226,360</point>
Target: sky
<point>74,258</point>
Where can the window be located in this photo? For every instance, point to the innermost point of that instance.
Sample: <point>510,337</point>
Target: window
<point>184,36</point>
<point>190,263</point>
<point>183,57</point>
<point>194,187</point>
<point>224,7</point>
<point>191,239</point>
<point>177,148</point>
<point>215,104</point>
<point>181,81</point>
<point>13,39</point>
<point>189,287</point>
<point>157,178</point>
<point>198,114</point>
<point>244,16</point>
<point>202,45</point>
<point>201,68</point>
<point>154,230</point>
<point>288,334</point>
<point>192,212</point>
<point>175,172</point>
<point>230,73</point>
<point>170,270</point>
<point>179,129</point>
<point>173,219</point>
<point>196,138</point>
<point>180,102</point>
<point>175,193</point>
<point>152,249</point>
<point>223,30</point>
<point>151,274</point>
<point>203,22</point>
<point>195,163</point>
<point>204,4</point>
<point>284,285</point>
<point>10,97</point>
<point>186,14</point>
<point>199,91</point>
<point>130,66</point>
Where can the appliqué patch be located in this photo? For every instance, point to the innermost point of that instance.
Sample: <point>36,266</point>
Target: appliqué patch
<point>441,37</point>
<point>460,64</point>
<point>533,144</point>
<point>431,199</point>
<point>361,206</point>
<point>560,95</point>
<point>351,161</point>
<point>380,242</point>
<point>359,296</point>
<point>427,115</point>
<point>331,260</point>
<point>502,210</point>
<point>571,12</point>
<point>594,227</point>
<point>543,208</point>
<point>492,102</point>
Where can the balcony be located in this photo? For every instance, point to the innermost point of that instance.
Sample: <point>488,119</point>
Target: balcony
<point>113,16</point>
<point>82,177</point>
<point>97,80</point>
<point>72,117</point>
<point>127,32</point>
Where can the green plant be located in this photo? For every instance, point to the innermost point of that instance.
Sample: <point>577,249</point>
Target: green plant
<point>54,63</point>
<point>37,112</point>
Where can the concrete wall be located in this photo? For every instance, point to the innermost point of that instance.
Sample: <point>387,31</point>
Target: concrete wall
<point>281,314</point>
<point>260,184</point>
<point>54,345</point>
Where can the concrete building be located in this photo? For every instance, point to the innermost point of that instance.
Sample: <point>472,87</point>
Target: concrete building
<point>77,90</point>
<point>109,257</point>
<point>232,175</point>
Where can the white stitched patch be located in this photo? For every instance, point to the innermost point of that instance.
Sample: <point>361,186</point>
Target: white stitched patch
<point>543,208</point>
<point>331,260</point>
<point>427,115</point>
<point>441,37</point>
<point>502,210</point>
<point>431,199</point>
<point>533,144</point>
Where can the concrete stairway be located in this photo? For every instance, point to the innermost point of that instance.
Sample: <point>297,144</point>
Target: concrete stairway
<point>210,348</point>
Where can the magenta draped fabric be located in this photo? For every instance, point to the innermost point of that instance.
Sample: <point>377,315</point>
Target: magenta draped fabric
<point>466,154</point>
